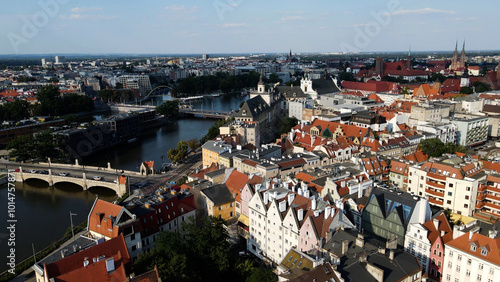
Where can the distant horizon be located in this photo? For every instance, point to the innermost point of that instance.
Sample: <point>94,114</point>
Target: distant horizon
<point>246,53</point>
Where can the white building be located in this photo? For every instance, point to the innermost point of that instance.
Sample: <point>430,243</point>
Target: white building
<point>472,130</point>
<point>140,82</point>
<point>449,182</point>
<point>473,257</point>
<point>446,132</point>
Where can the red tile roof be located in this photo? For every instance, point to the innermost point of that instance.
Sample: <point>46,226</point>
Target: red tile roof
<point>443,226</point>
<point>482,242</point>
<point>71,268</point>
<point>102,217</point>
<point>235,182</point>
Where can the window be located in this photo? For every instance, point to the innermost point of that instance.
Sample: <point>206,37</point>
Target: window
<point>466,205</point>
<point>448,202</point>
<point>467,273</point>
<point>450,185</point>
<point>459,257</point>
<point>458,268</point>
<point>467,197</point>
<point>450,193</point>
<point>481,266</point>
<point>484,252</point>
<point>220,208</point>
<point>448,277</point>
<point>479,277</point>
<point>469,261</point>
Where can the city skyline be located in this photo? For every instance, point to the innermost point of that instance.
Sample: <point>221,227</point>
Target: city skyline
<point>238,26</point>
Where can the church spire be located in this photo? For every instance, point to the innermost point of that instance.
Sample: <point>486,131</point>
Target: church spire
<point>463,48</point>
<point>456,46</point>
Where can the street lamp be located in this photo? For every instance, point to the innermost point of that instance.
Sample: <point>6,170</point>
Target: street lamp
<point>71,219</point>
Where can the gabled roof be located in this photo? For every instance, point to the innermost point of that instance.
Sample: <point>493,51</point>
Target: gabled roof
<point>102,218</point>
<point>324,86</point>
<point>235,182</point>
<point>291,92</point>
<point>443,226</point>
<point>490,246</point>
<point>218,194</point>
<point>253,108</point>
<point>71,268</point>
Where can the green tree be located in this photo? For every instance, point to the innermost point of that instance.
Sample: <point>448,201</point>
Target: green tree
<point>49,101</point>
<point>176,155</point>
<point>203,243</point>
<point>433,147</point>
<point>169,109</point>
<point>262,275</point>
<point>274,78</point>
<point>481,87</point>
<point>193,144</point>
<point>53,80</point>
<point>346,76</point>
<point>21,147</point>
<point>119,85</point>
<point>466,90</point>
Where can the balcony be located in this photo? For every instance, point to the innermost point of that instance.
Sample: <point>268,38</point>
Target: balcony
<point>479,205</point>
<point>435,184</point>
<point>480,196</point>
<point>481,188</point>
<point>489,197</point>
<point>492,206</point>
<point>436,202</point>
<point>436,176</point>
<point>434,193</point>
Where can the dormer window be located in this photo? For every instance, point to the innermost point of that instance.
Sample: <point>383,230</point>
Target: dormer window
<point>244,112</point>
<point>473,248</point>
<point>484,251</point>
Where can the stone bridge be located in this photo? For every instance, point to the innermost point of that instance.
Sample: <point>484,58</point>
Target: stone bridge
<point>84,176</point>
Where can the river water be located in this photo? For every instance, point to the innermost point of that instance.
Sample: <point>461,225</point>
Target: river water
<point>42,212</point>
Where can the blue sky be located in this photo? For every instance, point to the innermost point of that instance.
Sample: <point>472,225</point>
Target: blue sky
<point>244,26</point>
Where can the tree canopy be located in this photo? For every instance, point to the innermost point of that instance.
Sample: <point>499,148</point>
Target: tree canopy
<point>176,155</point>
<point>41,146</point>
<point>169,109</point>
<point>199,252</point>
<point>435,147</point>
<point>220,81</point>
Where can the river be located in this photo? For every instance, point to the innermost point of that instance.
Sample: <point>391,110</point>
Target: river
<point>42,212</point>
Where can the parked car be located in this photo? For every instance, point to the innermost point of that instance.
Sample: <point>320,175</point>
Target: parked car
<point>44,172</point>
<point>33,171</point>
<point>97,178</point>
<point>63,174</point>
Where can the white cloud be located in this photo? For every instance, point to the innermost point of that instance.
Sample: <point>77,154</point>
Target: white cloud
<point>234,24</point>
<point>91,17</point>
<point>182,9</point>
<point>293,18</point>
<point>423,11</point>
<point>85,9</point>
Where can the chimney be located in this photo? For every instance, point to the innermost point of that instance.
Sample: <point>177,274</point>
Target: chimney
<point>300,214</point>
<point>470,235</point>
<point>381,250</point>
<point>436,223</point>
<point>327,212</point>
<point>110,265</point>
<point>493,234</point>
<point>313,204</point>
<point>291,197</point>
<point>360,241</point>
<point>345,246</point>
<point>342,183</point>
<point>316,213</point>
<point>266,198</point>
<point>282,206</point>
<point>306,193</point>
<point>300,191</point>
<point>391,254</point>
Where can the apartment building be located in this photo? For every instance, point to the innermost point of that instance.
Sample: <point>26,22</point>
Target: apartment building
<point>450,183</point>
<point>472,257</point>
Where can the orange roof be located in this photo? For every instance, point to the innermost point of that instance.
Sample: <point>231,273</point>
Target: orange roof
<point>149,164</point>
<point>425,90</point>
<point>235,182</point>
<point>304,177</point>
<point>102,217</point>
<point>481,242</point>
<point>375,97</point>
<point>491,166</point>
<point>443,225</point>
<point>71,268</point>
<point>9,93</point>
<point>201,173</point>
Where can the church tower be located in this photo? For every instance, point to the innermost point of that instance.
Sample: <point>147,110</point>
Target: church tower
<point>261,87</point>
<point>379,66</point>
<point>408,60</point>
<point>454,60</point>
<point>462,57</point>
<point>498,73</point>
